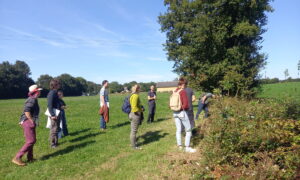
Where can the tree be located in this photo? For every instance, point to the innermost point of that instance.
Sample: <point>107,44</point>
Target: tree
<point>298,68</point>
<point>44,82</point>
<point>92,88</point>
<point>115,87</point>
<point>14,79</point>
<point>206,39</point>
<point>70,85</point>
<point>286,74</point>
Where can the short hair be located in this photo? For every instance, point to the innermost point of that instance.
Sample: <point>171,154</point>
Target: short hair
<point>182,81</point>
<point>135,88</point>
<point>104,82</point>
<point>54,83</point>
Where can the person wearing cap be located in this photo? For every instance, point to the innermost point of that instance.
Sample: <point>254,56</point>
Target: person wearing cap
<point>28,121</point>
<point>54,104</point>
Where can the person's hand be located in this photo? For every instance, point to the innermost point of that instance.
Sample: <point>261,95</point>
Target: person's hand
<point>53,118</point>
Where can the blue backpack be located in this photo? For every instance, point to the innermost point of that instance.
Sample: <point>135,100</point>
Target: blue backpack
<point>126,107</point>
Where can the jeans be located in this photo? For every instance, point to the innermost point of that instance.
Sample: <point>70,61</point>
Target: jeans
<point>181,118</point>
<point>64,123</point>
<point>102,122</point>
<point>191,118</point>
<point>135,122</point>
<point>30,139</point>
<point>201,107</point>
<point>152,107</point>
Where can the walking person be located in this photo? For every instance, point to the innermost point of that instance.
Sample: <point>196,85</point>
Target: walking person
<point>179,104</point>
<point>135,115</point>
<point>104,101</point>
<point>28,121</point>
<point>151,104</point>
<point>63,106</point>
<point>191,98</point>
<point>203,104</point>
<point>53,106</point>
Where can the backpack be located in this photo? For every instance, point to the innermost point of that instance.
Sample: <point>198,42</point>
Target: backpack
<point>175,101</point>
<point>126,107</point>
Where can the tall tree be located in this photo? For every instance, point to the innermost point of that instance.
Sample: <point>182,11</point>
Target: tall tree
<point>298,68</point>
<point>286,74</point>
<point>44,82</point>
<point>14,79</point>
<point>211,41</point>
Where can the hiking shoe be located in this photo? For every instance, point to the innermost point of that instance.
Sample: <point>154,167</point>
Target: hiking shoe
<point>190,150</point>
<point>18,162</point>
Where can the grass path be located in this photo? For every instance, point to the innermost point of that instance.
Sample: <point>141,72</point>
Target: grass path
<point>89,153</point>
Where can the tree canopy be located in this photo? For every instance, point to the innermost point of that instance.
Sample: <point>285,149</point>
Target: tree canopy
<point>216,43</point>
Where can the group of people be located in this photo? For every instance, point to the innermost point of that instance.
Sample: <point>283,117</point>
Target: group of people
<point>30,118</point>
<point>184,116</point>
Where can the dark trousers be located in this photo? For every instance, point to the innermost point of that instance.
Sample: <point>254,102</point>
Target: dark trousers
<point>102,122</point>
<point>30,139</point>
<point>201,107</point>
<point>64,123</point>
<point>152,107</point>
<point>54,130</point>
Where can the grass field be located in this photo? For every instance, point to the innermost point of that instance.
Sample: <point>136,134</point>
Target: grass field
<point>281,90</point>
<point>88,153</point>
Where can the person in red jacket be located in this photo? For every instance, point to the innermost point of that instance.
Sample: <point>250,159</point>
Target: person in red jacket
<point>181,118</point>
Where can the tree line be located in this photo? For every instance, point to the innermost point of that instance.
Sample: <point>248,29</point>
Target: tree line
<point>15,80</point>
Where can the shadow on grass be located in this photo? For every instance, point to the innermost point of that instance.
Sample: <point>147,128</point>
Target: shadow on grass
<point>159,120</point>
<point>120,125</point>
<point>78,132</point>
<point>151,136</point>
<point>81,138</point>
<point>66,150</point>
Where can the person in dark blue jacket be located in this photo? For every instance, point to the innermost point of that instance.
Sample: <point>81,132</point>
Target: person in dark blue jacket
<point>53,105</point>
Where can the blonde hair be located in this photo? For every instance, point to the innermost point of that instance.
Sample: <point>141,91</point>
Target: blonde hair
<point>135,88</point>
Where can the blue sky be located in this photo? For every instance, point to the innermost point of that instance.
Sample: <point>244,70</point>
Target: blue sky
<point>118,40</point>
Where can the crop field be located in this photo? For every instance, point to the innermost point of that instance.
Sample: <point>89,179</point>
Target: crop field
<point>227,143</point>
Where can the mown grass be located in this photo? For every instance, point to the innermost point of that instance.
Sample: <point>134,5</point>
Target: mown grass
<point>88,152</point>
<point>289,90</point>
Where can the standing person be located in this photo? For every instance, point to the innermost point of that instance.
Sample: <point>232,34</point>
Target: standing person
<point>203,104</point>
<point>28,121</point>
<point>191,98</point>
<point>151,104</point>
<point>63,106</point>
<point>135,115</point>
<point>180,98</point>
<point>104,101</point>
<point>53,105</point>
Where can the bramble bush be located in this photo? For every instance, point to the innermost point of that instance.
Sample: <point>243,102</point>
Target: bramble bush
<point>258,138</point>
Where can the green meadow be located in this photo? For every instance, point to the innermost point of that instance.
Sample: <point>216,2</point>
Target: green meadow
<point>281,90</point>
<point>88,153</point>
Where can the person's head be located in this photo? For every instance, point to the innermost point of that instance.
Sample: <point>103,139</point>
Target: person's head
<point>54,84</point>
<point>34,91</point>
<point>135,88</point>
<point>152,88</point>
<point>60,94</point>
<point>181,83</point>
<point>105,83</point>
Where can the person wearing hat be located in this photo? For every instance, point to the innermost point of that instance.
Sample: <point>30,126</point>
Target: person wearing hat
<point>28,121</point>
